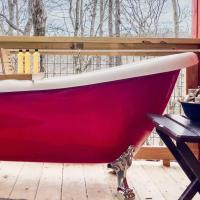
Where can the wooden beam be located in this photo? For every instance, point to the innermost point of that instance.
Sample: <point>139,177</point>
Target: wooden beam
<point>154,153</point>
<point>16,76</point>
<point>94,43</point>
<point>160,153</point>
<point>128,40</point>
<point>150,52</point>
<point>166,163</point>
<point>192,77</point>
<point>199,152</point>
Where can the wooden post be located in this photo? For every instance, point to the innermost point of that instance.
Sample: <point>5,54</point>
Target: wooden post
<point>6,62</point>
<point>199,85</point>
<point>199,153</point>
<point>193,81</point>
<point>166,163</point>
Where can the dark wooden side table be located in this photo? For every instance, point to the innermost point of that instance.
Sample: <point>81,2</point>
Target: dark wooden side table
<point>176,131</point>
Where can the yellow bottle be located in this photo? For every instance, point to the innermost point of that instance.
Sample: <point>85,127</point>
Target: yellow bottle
<point>27,57</point>
<point>36,62</point>
<point>20,62</point>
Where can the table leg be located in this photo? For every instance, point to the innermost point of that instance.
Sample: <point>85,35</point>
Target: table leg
<point>172,147</point>
<point>191,190</point>
<point>191,161</point>
<point>188,163</point>
<point>189,158</point>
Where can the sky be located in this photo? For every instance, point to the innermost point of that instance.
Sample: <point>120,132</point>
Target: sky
<point>55,18</point>
<point>58,21</point>
<point>186,22</point>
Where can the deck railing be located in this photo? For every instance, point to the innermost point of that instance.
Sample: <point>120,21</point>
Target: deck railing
<point>70,55</point>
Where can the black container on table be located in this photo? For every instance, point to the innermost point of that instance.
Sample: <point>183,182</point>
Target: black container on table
<point>191,110</point>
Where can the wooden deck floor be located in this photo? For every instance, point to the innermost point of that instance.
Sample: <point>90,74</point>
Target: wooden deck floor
<point>42,181</point>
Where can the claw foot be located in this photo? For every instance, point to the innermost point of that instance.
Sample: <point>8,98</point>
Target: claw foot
<point>126,194</point>
<point>120,167</point>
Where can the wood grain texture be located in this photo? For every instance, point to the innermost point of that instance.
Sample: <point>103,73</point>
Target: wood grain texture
<point>50,182</point>
<point>94,43</point>
<point>16,76</point>
<point>5,56</point>
<point>27,184</point>
<point>30,181</point>
<point>110,52</point>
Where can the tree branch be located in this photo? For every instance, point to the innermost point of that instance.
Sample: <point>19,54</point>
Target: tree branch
<point>11,24</point>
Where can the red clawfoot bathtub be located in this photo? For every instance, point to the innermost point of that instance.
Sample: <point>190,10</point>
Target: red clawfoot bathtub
<point>91,117</point>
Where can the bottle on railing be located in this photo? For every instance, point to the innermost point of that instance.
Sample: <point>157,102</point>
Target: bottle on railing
<point>27,56</point>
<point>20,62</point>
<point>36,62</point>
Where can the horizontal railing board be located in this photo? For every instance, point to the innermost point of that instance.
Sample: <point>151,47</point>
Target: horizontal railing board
<point>150,52</point>
<point>16,76</point>
<point>99,40</point>
<point>160,153</point>
<point>98,43</point>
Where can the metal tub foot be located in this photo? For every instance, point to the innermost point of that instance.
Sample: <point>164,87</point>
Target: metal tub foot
<point>120,167</point>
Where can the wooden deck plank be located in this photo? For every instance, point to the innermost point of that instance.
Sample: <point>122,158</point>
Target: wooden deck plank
<point>138,177</point>
<point>38,181</point>
<point>9,173</point>
<point>167,185</point>
<point>50,182</point>
<point>111,181</point>
<point>95,181</point>
<point>73,186</point>
<point>164,183</point>
<point>179,177</point>
<point>27,183</point>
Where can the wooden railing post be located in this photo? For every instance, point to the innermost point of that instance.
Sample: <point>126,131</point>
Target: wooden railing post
<point>193,81</point>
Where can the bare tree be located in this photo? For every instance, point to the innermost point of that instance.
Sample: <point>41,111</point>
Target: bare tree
<point>176,11</point>
<point>101,14</point>
<point>81,18</point>
<point>39,17</point>
<point>29,24</point>
<point>11,7</point>
<point>94,13</point>
<point>17,14</point>
<point>110,26</point>
<point>110,18</point>
<point>77,18</point>
<point>117,18</point>
<point>117,27</point>
<point>13,18</point>
<point>139,22</point>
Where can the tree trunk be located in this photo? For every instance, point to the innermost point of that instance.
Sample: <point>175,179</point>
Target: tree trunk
<point>110,26</point>
<point>17,14</point>
<point>93,17</point>
<point>176,17</point>
<point>29,23</point>
<point>110,20</point>
<point>101,13</point>
<point>117,27</point>
<point>77,18</point>
<point>81,18</point>
<point>39,17</point>
<point>11,11</point>
<point>117,18</point>
<point>101,16</point>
